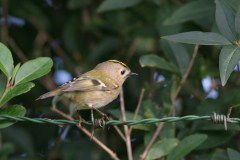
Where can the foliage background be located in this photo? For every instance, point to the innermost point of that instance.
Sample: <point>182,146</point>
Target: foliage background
<point>78,34</point>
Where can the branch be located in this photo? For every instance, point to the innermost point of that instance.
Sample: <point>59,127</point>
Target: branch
<point>128,140</point>
<point>119,131</point>
<point>185,75</point>
<point>4,29</point>
<point>159,128</point>
<point>137,110</point>
<point>110,152</point>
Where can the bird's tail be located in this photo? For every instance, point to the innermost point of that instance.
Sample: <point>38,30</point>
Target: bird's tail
<point>52,93</point>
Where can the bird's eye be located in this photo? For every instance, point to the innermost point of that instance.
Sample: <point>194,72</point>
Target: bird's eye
<point>122,72</point>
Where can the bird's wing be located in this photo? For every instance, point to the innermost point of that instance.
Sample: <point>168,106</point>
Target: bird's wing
<point>92,83</point>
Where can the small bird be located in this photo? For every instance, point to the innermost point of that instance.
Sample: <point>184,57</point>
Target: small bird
<point>96,88</point>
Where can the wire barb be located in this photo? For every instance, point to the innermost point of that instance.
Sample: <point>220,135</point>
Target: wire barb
<point>222,119</point>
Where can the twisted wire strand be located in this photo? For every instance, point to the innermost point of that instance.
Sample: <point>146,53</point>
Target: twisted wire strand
<point>215,118</point>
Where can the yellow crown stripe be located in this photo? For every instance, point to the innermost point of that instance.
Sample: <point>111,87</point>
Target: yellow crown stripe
<point>115,61</point>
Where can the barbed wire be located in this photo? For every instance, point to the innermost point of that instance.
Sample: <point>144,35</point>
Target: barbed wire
<point>215,118</point>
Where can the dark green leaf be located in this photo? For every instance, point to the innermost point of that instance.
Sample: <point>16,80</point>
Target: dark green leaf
<point>6,61</point>
<point>104,48</point>
<point>225,20</point>
<point>33,69</point>
<point>237,22</point>
<point>186,146</point>
<point>13,110</point>
<point>147,138</point>
<point>108,5</point>
<point>196,37</point>
<point>76,4</point>
<point>21,139</point>
<point>192,11</point>
<point>181,55</point>
<point>219,154</point>
<point>6,150</point>
<point>233,155</point>
<point>19,89</point>
<point>161,148</point>
<point>156,61</point>
<point>166,10</point>
<point>2,85</point>
<point>215,139</point>
<point>228,59</point>
<point>168,131</point>
<point>233,4</point>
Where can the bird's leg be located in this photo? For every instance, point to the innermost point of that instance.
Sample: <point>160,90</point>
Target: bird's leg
<point>80,118</point>
<point>103,114</point>
<point>105,117</point>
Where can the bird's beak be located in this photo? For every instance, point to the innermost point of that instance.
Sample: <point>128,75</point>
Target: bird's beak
<point>133,74</point>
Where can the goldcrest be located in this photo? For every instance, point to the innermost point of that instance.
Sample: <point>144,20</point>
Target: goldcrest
<point>96,88</point>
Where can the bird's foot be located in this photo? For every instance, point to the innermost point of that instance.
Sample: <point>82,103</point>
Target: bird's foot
<point>105,117</point>
<point>80,121</point>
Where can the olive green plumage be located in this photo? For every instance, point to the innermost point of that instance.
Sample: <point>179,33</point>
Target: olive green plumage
<point>95,88</point>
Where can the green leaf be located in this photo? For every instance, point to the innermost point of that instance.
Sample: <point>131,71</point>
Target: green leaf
<point>215,139</point>
<point>233,155</point>
<point>108,5</point>
<point>196,37</point>
<point>161,148</point>
<point>72,108</point>
<point>13,110</point>
<point>237,22</point>
<point>173,90</point>
<point>186,146</point>
<point>6,61</point>
<point>225,20</point>
<point>15,71</point>
<point>191,11</point>
<point>56,99</point>
<point>181,55</point>
<point>2,85</point>
<point>228,59</point>
<point>19,89</point>
<point>156,61</point>
<point>33,69</point>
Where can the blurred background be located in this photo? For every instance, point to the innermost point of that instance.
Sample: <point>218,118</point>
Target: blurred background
<point>79,34</point>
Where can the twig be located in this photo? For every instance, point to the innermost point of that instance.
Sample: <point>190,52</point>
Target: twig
<point>58,142</point>
<point>17,50</point>
<point>110,152</point>
<point>4,29</point>
<point>46,80</point>
<point>131,50</point>
<point>192,90</point>
<point>213,86</point>
<point>137,110</point>
<point>58,50</point>
<point>128,140</point>
<point>159,128</point>
<point>185,75</point>
<point>119,131</point>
